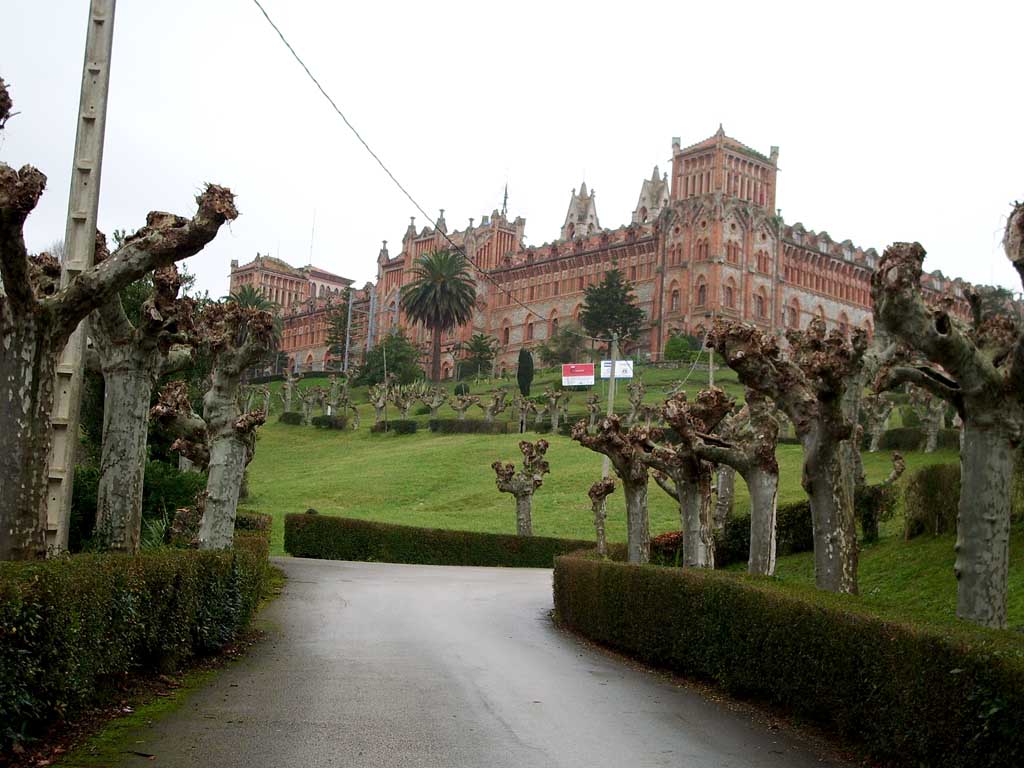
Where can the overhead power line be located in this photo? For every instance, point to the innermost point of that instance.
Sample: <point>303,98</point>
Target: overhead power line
<point>483,273</point>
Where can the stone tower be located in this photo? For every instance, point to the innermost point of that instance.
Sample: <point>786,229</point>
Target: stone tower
<point>581,218</point>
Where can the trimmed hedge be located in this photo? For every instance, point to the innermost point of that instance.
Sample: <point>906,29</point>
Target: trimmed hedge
<point>921,696</point>
<point>329,422</point>
<point>398,426</point>
<point>70,627</point>
<point>339,538</point>
<point>467,427</point>
<point>913,439</point>
<point>291,417</point>
<point>930,500</point>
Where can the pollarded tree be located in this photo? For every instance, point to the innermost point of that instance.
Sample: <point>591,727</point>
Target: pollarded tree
<point>442,296</point>
<point>877,408</point>
<point>554,397</point>
<point>291,380</point>
<point>495,405</point>
<point>132,358</point>
<point>462,403</point>
<point>980,370</point>
<point>685,475</point>
<point>750,451</point>
<point>37,318</point>
<point>809,384</point>
<point>626,451</point>
<point>593,410</point>
<point>379,395</point>
<point>522,483</point>
<point>931,410</point>
<point>599,493</point>
<point>236,337</point>
<point>637,390</point>
<point>434,398</point>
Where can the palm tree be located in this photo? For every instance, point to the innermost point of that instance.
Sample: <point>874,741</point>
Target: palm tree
<point>441,296</point>
<point>247,296</point>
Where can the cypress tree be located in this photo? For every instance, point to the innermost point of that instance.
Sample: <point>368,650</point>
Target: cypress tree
<point>524,373</point>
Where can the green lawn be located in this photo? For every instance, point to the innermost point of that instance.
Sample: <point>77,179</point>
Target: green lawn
<point>446,481</point>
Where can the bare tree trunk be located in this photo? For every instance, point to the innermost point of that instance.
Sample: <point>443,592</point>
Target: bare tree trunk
<point>524,518</point>
<point>876,437</point>
<point>983,525</point>
<point>27,361</point>
<point>831,499</point>
<point>764,491</point>
<point>726,496</point>
<point>123,461</point>
<point>695,518</point>
<point>555,414</point>
<point>435,363</point>
<point>638,530</point>
<point>931,433</point>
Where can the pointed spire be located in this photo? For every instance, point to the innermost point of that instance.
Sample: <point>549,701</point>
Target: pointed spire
<point>583,189</point>
<point>442,225</point>
<point>504,202</point>
<point>721,130</point>
<point>383,255</point>
<point>655,176</point>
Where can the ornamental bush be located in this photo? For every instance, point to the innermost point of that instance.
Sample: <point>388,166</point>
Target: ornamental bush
<point>911,695</point>
<point>467,427</point>
<point>330,422</point>
<point>339,538</point>
<point>398,426</point>
<point>930,499</point>
<point>794,532</point>
<point>71,628</point>
<point>290,417</point>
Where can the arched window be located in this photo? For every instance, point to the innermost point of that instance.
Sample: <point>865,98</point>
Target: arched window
<point>759,304</point>
<point>702,294</point>
<point>552,325</point>
<point>571,232</point>
<point>729,295</point>
<point>793,321</point>
<point>529,331</point>
<point>674,302</point>
<point>844,325</point>
<point>505,332</point>
<point>643,215</point>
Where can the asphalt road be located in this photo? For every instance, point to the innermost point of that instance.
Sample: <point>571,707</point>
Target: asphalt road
<point>415,666</point>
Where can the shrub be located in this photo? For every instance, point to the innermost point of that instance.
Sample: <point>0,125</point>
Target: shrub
<point>930,500</point>
<point>421,410</point>
<point>871,505</point>
<point>330,422</point>
<point>165,489</point>
<point>290,417</point>
<point>70,626</point>
<point>462,388</point>
<point>902,439</point>
<point>667,548</point>
<point>909,417</point>
<point>467,427</point>
<point>339,538</point>
<point>398,426</point>
<point>922,696</point>
<point>794,532</point>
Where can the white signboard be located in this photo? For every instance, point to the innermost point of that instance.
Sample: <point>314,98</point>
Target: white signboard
<point>623,369</point>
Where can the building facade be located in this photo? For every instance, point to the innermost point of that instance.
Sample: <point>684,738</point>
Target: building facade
<point>703,242</point>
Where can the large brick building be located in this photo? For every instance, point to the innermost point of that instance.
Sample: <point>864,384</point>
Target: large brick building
<point>703,242</point>
<point>707,242</point>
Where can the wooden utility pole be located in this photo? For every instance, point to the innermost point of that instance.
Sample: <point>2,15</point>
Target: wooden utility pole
<point>79,246</point>
<point>605,463</point>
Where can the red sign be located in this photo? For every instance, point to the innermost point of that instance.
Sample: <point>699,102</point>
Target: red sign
<point>577,374</point>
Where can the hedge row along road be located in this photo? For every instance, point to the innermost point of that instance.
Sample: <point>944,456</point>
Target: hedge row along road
<point>432,666</point>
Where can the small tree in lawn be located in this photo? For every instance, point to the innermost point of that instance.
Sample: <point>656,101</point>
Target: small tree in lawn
<point>980,370</point>
<point>480,352</point>
<point>337,328</point>
<point>599,493</point>
<point>434,398</point>
<point>877,408</point>
<point>566,345</point>
<point>522,483</point>
<point>291,380</point>
<point>637,390</point>
<point>524,372</point>
<point>931,410</point>
<point>611,307</point>
<point>626,450</point>
<point>809,385</point>
<point>462,403</point>
<point>132,358</point>
<point>442,296</point>
<point>494,406</point>
<point>37,318</point>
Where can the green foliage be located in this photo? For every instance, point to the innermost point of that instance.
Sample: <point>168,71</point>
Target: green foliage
<point>329,422</point>
<point>467,427</point>
<point>611,307</point>
<point>930,500</point>
<point>402,358</point>
<point>165,489</point>
<point>873,504</point>
<point>337,327</point>
<point>291,417</point>
<point>566,346</point>
<point>921,696</point>
<point>339,538</point>
<point>678,347</point>
<point>480,352</point>
<point>905,439</point>
<point>524,372</point>
<point>442,295</point>
<point>69,627</point>
<point>462,388</point>
<point>398,426</point>
<point>248,296</point>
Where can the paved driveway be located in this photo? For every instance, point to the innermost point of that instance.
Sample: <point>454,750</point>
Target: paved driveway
<point>415,666</point>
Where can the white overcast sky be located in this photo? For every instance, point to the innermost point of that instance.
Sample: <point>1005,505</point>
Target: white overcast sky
<point>895,120</point>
